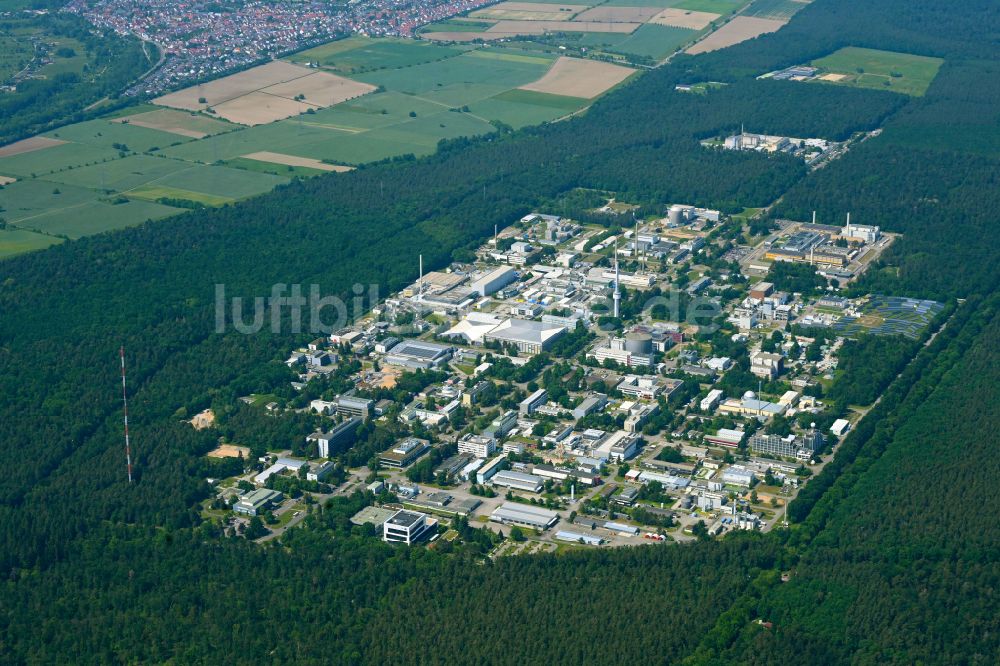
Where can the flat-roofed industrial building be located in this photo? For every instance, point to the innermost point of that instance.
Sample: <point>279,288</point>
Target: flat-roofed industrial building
<point>518,480</point>
<point>576,537</point>
<point>510,513</point>
<point>253,503</point>
<point>417,354</point>
<point>404,453</point>
<point>530,337</point>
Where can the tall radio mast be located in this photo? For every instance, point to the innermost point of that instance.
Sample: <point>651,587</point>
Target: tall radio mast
<point>128,448</point>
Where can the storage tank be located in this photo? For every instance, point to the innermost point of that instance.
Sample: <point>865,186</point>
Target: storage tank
<point>675,216</point>
<point>639,343</point>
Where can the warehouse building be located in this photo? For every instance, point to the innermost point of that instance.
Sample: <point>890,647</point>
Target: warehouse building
<point>418,355</point>
<point>590,404</point>
<point>494,281</point>
<point>726,437</point>
<point>738,476</point>
<point>576,537</point>
<point>530,337</point>
<point>257,501</point>
<point>525,515</point>
<point>404,453</point>
<point>711,401</point>
<point>518,481</point>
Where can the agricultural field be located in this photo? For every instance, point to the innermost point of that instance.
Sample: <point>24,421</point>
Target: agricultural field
<point>356,55</point>
<point>882,70</point>
<point>781,10</point>
<point>638,31</point>
<point>681,18</point>
<point>740,29</point>
<point>186,124</point>
<point>721,7</point>
<point>573,77</point>
<point>530,11</point>
<point>267,93</point>
<point>18,241</point>
<point>359,100</point>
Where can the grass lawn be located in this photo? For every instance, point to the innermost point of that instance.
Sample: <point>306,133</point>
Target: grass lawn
<point>882,70</point>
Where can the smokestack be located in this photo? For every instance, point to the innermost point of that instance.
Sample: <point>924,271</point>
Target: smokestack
<point>420,282</point>
<point>814,217</point>
<point>618,293</point>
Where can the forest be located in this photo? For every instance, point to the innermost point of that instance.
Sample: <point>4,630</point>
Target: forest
<point>98,571</point>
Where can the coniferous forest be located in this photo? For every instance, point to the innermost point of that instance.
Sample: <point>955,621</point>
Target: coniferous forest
<point>894,551</point>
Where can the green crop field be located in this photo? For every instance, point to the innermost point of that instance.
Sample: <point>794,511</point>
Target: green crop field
<point>30,198</point>
<point>156,192</point>
<point>111,174</point>
<point>457,25</point>
<point>519,108</point>
<point>16,241</point>
<point>663,4</point>
<point>272,168</point>
<point>774,9</point>
<point>713,6</point>
<point>118,175</point>
<point>654,41</point>
<point>490,74</point>
<point>55,158</point>
<point>360,54</point>
<point>883,70</point>
<point>97,216</point>
<point>221,181</point>
<point>105,134</point>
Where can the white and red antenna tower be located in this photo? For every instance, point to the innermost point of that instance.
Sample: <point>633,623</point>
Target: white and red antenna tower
<point>128,448</point>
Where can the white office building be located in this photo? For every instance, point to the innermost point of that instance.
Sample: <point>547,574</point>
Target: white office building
<point>480,446</point>
<point>407,527</point>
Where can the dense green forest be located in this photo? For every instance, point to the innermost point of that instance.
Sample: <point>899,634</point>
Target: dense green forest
<point>897,563</point>
<point>893,555</point>
<point>39,104</point>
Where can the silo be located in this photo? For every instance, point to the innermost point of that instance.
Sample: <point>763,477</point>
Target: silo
<point>675,216</point>
<point>639,343</point>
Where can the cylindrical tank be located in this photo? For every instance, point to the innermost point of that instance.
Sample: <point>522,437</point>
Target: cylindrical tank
<point>639,343</point>
<point>675,216</point>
